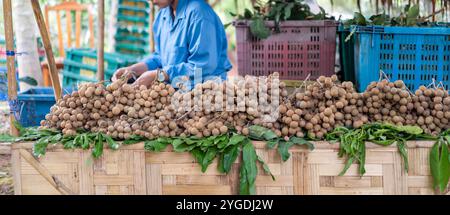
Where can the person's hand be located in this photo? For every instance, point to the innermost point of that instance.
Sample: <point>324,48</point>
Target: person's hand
<point>148,78</point>
<point>119,73</point>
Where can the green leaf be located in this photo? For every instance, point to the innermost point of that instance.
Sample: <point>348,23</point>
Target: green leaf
<point>266,167</point>
<point>74,143</point>
<point>269,135</point>
<point>198,155</point>
<point>69,144</point>
<point>248,170</point>
<point>156,145</point>
<point>412,15</point>
<point>283,149</point>
<point>272,143</point>
<point>261,133</point>
<point>19,127</point>
<point>40,147</point>
<point>416,130</point>
<point>301,141</point>
<point>29,80</point>
<point>111,143</point>
<point>85,144</point>
<point>347,165</point>
<point>228,157</point>
<point>402,150</point>
<point>133,140</point>
<point>440,165</point>
<point>6,138</point>
<point>55,138</point>
<point>379,19</point>
<point>362,159</point>
<point>259,29</point>
<point>359,19</point>
<point>248,14</point>
<point>179,145</point>
<point>288,11</point>
<point>244,188</point>
<point>207,142</point>
<point>97,151</point>
<point>208,159</point>
<point>234,140</point>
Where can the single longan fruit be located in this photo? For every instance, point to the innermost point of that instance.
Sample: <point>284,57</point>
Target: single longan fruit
<point>223,129</point>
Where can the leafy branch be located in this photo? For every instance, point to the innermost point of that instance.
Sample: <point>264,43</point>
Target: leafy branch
<point>409,17</point>
<point>352,142</point>
<point>277,11</point>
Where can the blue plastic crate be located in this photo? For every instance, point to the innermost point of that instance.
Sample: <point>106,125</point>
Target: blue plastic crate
<point>34,104</point>
<point>415,55</point>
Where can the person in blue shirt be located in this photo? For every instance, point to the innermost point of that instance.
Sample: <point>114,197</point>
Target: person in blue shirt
<point>189,38</point>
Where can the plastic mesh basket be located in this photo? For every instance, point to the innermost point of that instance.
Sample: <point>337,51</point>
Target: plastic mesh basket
<point>80,65</point>
<point>132,23</point>
<point>412,54</point>
<point>35,103</point>
<point>346,55</point>
<point>300,49</point>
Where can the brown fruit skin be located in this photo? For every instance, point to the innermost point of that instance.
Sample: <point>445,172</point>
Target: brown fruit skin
<point>245,131</point>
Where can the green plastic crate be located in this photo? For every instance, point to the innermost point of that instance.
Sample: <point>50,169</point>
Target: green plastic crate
<point>135,3</point>
<point>135,53</point>
<point>138,49</point>
<point>132,44</point>
<point>80,65</point>
<point>133,25</point>
<point>72,79</point>
<point>133,20</point>
<point>125,10</point>
<point>132,40</point>
<point>346,54</point>
<point>113,61</point>
<point>135,32</point>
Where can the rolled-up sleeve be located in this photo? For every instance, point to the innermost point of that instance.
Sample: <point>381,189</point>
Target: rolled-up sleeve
<point>153,61</point>
<point>203,51</point>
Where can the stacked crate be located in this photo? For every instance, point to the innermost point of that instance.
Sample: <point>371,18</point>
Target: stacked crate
<point>80,66</point>
<point>2,52</point>
<point>132,36</point>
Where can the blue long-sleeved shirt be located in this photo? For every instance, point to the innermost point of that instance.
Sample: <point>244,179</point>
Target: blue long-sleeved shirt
<point>194,39</point>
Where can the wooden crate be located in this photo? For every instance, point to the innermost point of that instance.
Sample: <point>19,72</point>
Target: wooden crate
<point>131,170</point>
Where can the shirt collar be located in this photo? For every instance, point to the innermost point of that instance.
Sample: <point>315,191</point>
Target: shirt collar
<point>181,10</point>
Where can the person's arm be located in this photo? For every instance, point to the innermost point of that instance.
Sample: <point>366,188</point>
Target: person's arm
<point>150,63</point>
<point>203,51</point>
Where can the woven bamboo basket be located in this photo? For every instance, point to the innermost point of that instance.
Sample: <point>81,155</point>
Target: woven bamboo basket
<point>131,170</point>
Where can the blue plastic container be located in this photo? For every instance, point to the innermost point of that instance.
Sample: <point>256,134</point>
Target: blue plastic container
<point>4,83</point>
<point>415,55</point>
<point>34,104</point>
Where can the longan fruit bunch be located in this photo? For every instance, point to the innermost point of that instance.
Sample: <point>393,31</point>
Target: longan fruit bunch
<point>323,106</point>
<point>432,106</point>
<point>389,102</point>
